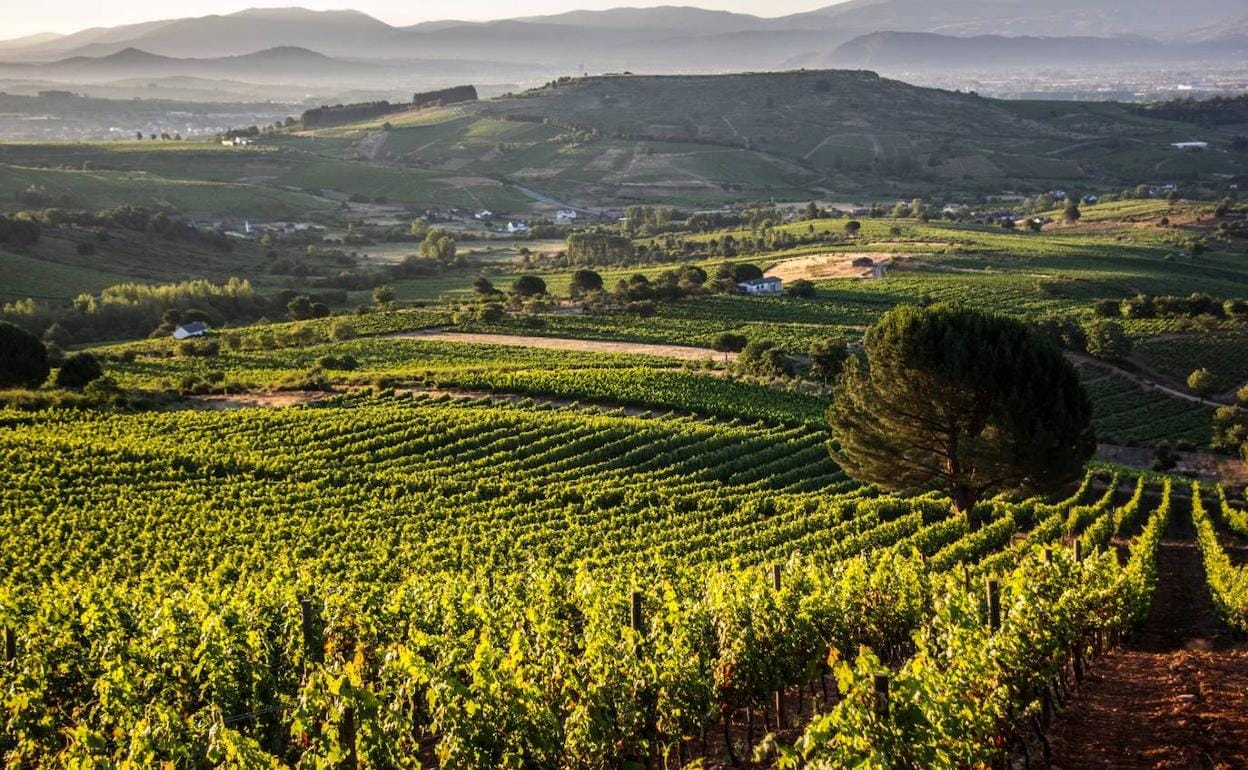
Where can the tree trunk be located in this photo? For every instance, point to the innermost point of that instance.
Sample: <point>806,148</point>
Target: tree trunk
<point>964,499</point>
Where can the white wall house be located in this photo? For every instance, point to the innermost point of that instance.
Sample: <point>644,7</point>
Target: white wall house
<point>194,329</point>
<point>766,286</point>
<point>565,216</point>
<point>517,227</point>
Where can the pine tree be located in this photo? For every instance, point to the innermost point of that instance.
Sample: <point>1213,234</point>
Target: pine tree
<point>972,403</point>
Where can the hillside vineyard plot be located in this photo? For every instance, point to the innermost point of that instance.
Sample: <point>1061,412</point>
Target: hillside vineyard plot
<point>397,581</point>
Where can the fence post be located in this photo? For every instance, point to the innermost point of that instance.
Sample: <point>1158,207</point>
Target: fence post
<point>881,696</point>
<point>776,572</point>
<point>635,619</point>
<point>1078,550</point>
<point>780,720</point>
<point>994,605</point>
<point>10,644</point>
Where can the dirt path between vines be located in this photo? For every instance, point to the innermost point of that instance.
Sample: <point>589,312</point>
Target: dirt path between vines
<point>680,352</point>
<point>1176,696</point>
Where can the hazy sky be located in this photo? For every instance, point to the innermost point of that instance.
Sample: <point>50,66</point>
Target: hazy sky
<point>19,18</point>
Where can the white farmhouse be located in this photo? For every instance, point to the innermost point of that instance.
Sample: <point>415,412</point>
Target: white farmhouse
<point>517,227</point>
<point>194,329</point>
<point>565,216</point>
<point>767,286</point>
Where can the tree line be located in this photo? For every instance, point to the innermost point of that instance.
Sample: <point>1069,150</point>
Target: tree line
<point>344,114</point>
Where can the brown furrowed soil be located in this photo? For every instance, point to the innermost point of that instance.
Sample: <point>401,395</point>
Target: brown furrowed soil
<point>1175,697</point>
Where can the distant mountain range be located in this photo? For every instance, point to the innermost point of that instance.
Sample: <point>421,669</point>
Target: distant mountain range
<point>269,65</point>
<point>332,50</point>
<point>633,36</point>
<point>895,52</point>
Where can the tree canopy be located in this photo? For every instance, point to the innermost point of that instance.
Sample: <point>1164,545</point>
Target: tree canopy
<point>585,282</point>
<point>972,403</point>
<point>528,286</point>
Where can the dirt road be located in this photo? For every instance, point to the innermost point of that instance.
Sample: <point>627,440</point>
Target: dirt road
<point>679,352</point>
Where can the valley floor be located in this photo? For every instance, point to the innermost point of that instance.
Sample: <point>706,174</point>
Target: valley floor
<point>1176,696</point>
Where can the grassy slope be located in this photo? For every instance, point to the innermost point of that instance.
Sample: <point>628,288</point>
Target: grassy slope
<point>25,276</point>
<point>103,189</point>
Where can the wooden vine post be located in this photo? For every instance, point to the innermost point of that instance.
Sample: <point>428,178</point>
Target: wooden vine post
<point>994,605</point>
<point>636,620</point>
<point>881,696</point>
<point>351,760</point>
<point>307,615</point>
<point>777,573</point>
<point>10,644</point>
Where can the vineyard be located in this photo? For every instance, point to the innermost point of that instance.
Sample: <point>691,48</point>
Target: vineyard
<point>395,581</point>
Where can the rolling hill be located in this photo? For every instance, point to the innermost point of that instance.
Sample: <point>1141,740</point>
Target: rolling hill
<point>694,139</point>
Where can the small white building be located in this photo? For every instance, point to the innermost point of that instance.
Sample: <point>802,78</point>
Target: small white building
<point>483,215</point>
<point>565,216</point>
<point>763,287</point>
<point>517,227</point>
<point>194,329</point>
<point>1190,145</point>
<point>238,141</point>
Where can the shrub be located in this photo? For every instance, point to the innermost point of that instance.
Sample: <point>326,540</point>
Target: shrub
<point>746,272</point>
<point>1106,339</point>
<point>78,371</point>
<point>383,296</point>
<point>728,342</point>
<point>1107,308</point>
<point>339,363</point>
<point>1202,382</point>
<point>23,358</point>
<point>763,358</point>
<point>585,282</point>
<point>201,348</point>
<point>491,313</point>
<point>827,358</point>
<point>341,331</point>
<point>104,391</point>
<point>801,288</point>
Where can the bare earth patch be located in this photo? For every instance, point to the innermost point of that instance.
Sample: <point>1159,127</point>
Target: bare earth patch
<point>254,400</point>
<point>471,181</point>
<point>820,266</point>
<point>679,352</point>
<point>1206,465</point>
